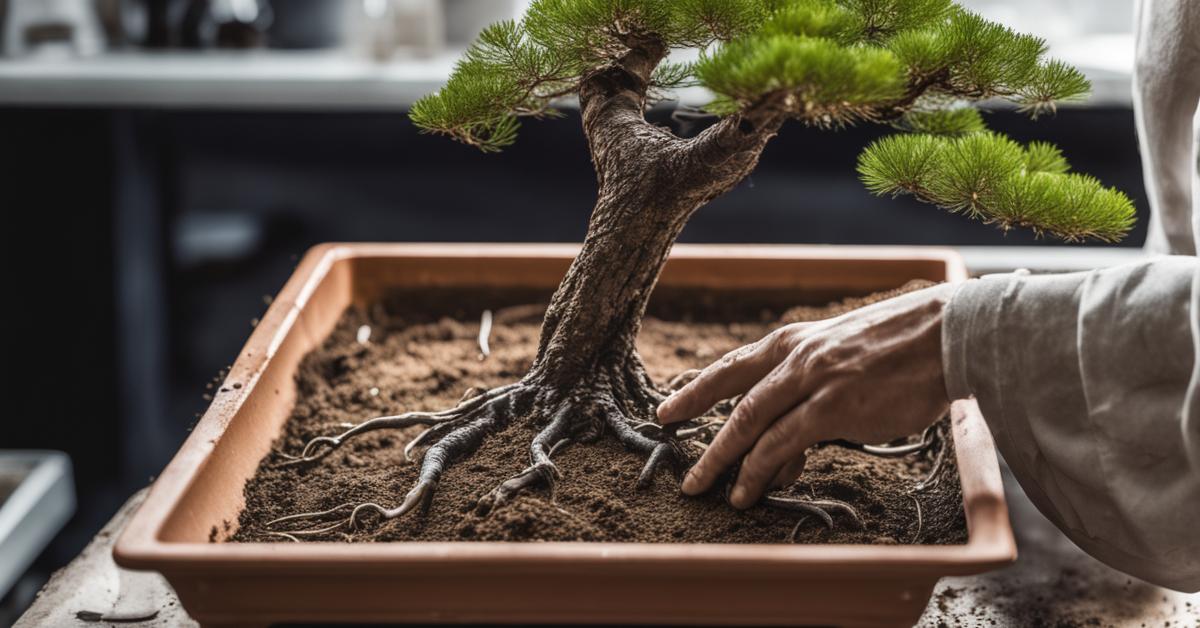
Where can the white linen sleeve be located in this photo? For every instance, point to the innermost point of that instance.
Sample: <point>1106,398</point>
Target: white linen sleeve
<point>1166,77</point>
<point>1088,382</point>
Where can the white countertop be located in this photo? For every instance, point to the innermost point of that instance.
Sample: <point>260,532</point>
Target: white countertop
<point>982,260</point>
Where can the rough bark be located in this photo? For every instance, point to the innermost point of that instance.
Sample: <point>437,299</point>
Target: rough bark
<point>650,183</point>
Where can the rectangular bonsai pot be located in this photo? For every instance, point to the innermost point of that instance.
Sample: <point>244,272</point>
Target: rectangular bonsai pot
<point>721,584</point>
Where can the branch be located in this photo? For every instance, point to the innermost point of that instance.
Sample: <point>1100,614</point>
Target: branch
<point>746,130</point>
<point>897,108</point>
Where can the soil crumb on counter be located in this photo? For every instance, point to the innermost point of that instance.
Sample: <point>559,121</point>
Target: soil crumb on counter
<point>421,352</point>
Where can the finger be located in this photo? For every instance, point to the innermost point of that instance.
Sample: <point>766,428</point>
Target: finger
<point>732,375</point>
<point>780,445</point>
<point>790,472</point>
<point>781,389</point>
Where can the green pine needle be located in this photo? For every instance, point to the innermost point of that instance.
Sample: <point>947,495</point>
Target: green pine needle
<point>988,59</point>
<point>830,62</point>
<point>958,121</point>
<point>899,164</point>
<point>1045,157</point>
<point>994,179</point>
<point>1050,83</point>
<point>877,20</point>
<point>924,52</point>
<point>970,168</point>
<point>822,76</point>
<point>814,18</point>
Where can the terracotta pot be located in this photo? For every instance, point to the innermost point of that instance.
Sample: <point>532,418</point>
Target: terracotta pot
<point>260,583</point>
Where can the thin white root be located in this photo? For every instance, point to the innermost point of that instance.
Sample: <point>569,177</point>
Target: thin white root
<point>417,496</point>
<point>818,507</point>
<point>920,521</point>
<point>656,429</point>
<point>791,537</point>
<point>313,450</point>
<point>485,332</point>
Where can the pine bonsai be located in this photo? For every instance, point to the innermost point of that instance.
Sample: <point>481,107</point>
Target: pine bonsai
<point>911,64</point>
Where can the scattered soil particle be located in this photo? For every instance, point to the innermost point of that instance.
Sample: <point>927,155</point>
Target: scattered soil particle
<point>423,354</point>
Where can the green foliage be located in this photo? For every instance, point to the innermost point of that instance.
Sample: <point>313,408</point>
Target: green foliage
<point>814,18</point>
<point>899,164</point>
<point>825,62</point>
<point>985,58</point>
<point>1045,157</point>
<point>924,52</point>
<point>943,121</point>
<point>993,178</point>
<point>503,75</point>
<point>700,22</point>
<point>876,20</point>
<point>908,63</point>
<point>820,73</point>
<point>1052,81</point>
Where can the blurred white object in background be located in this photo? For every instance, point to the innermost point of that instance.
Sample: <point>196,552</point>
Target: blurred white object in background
<point>1090,34</point>
<point>465,18</point>
<point>412,26</point>
<point>37,496</point>
<point>70,26</point>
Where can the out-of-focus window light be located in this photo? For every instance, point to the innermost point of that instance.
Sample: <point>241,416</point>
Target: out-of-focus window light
<point>1092,34</point>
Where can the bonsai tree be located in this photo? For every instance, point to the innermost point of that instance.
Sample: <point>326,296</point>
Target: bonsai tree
<point>911,64</point>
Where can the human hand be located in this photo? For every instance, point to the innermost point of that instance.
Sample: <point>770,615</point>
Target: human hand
<point>871,375</point>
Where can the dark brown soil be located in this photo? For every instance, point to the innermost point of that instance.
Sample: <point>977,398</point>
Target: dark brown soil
<point>416,360</point>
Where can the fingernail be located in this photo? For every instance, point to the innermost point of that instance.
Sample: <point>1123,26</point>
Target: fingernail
<point>664,408</point>
<point>738,497</point>
<point>691,483</point>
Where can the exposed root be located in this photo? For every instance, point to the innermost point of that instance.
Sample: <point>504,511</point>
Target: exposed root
<point>663,452</point>
<point>418,496</point>
<point>676,432</point>
<point>791,537</point>
<point>920,520</point>
<point>540,470</point>
<point>658,452</point>
<point>313,450</point>
<point>939,461</point>
<point>818,507</point>
<point>460,431</point>
<point>928,437</point>
<point>580,417</point>
<point>485,333</point>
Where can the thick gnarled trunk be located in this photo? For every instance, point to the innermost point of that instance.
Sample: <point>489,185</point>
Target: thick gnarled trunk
<point>650,183</point>
<point>593,319</point>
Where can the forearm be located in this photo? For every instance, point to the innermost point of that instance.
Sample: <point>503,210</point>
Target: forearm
<point>1083,379</point>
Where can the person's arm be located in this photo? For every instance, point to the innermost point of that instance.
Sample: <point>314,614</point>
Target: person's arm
<point>1085,381</point>
<point>1166,77</point>
<point>1083,378</point>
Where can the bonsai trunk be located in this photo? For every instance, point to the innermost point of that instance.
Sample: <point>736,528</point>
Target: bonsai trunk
<point>650,183</point>
<point>593,319</point>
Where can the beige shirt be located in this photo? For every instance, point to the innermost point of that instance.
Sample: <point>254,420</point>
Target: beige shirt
<point>1090,381</point>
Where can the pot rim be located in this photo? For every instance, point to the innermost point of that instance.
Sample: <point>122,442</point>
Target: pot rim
<point>141,546</point>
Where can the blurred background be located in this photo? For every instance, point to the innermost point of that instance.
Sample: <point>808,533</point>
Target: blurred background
<point>166,162</point>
